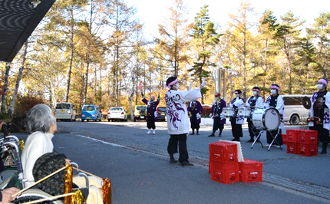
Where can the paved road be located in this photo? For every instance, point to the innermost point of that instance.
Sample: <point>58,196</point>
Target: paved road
<point>137,164</point>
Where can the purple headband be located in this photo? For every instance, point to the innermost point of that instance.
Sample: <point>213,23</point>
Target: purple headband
<point>275,87</point>
<point>255,90</point>
<point>236,92</point>
<point>170,84</point>
<point>323,81</point>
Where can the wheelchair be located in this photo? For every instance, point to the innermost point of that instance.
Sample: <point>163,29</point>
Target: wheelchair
<point>11,146</point>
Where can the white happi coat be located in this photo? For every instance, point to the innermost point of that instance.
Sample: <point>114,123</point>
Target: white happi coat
<point>259,102</point>
<point>279,107</point>
<point>239,103</point>
<point>176,110</point>
<point>326,121</point>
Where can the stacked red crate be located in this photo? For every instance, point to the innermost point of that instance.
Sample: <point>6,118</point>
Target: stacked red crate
<point>302,142</point>
<point>307,143</point>
<point>284,138</point>
<point>292,140</point>
<point>223,163</point>
<point>250,171</point>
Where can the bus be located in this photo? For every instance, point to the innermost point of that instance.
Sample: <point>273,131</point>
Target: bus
<point>294,111</point>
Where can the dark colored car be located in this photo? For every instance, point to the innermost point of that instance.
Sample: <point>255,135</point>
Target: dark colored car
<point>161,113</point>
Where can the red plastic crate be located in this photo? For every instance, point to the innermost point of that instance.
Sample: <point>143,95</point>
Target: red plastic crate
<point>225,173</point>
<point>308,137</point>
<point>307,149</point>
<point>250,171</point>
<point>223,152</point>
<point>292,135</point>
<point>291,147</point>
<point>284,138</point>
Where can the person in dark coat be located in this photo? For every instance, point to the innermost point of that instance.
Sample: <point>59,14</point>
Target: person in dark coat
<point>195,108</point>
<point>216,110</point>
<point>151,116</point>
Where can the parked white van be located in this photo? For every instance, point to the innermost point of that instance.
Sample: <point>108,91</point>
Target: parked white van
<point>65,111</point>
<point>294,111</point>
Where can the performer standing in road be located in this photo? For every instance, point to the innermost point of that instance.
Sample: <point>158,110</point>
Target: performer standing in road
<point>254,102</point>
<point>319,113</point>
<point>237,121</point>
<point>195,108</point>
<point>151,112</point>
<point>216,110</point>
<point>177,118</point>
<point>275,100</point>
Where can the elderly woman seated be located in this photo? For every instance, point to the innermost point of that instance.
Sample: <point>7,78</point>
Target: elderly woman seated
<point>41,125</point>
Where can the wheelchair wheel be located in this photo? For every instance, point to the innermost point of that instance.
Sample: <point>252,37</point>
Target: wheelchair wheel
<point>35,194</point>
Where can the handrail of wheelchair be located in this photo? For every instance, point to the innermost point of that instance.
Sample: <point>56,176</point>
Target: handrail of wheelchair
<point>12,137</point>
<point>74,164</point>
<point>18,158</point>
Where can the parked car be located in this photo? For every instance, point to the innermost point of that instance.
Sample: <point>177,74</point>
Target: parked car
<point>294,111</point>
<point>65,111</point>
<point>140,112</point>
<point>91,112</point>
<point>117,113</point>
<point>161,113</point>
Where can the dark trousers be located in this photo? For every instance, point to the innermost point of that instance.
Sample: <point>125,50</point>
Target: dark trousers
<point>217,125</point>
<point>151,123</point>
<point>173,146</point>
<point>252,130</point>
<point>278,141</point>
<point>323,134</point>
<point>236,129</point>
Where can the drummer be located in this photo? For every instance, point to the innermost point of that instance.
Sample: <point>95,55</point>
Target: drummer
<point>276,101</point>
<point>237,121</point>
<point>255,101</point>
<point>319,112</point>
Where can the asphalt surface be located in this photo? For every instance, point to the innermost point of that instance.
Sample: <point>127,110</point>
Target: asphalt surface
<point>138,166</point>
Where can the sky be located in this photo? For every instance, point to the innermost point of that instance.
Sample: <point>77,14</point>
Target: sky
<point>151,12</point>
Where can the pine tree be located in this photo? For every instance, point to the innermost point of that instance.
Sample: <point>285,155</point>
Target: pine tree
<point>205,38</point>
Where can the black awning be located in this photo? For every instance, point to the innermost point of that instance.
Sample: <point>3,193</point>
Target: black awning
<point>18,19</point>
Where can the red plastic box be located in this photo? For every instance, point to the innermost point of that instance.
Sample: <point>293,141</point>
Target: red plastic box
<point>308,137</point>
<point>292,135</point>
<point>223,152</point>
<point>225,173</point>
<point>307,149</point>
<point>291,148</point>
<point>284,138</point>
<point>250,171</point>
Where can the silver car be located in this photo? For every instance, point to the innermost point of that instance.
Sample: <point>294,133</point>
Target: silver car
<point>117,113</point>
<point>65,111</point>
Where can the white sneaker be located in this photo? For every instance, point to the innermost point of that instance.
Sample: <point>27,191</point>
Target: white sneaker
<point>154,132</point>
<point>148,132</point>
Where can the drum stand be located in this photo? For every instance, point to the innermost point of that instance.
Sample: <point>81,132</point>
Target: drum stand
<point>270,145</point>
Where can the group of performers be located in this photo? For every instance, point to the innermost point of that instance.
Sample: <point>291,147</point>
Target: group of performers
<point>178,120</point>
<point>255,101</point>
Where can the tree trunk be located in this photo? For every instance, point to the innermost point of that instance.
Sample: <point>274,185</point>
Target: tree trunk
<point>19,76</point>
<point>5,87</point>
<point>244,63</point>
<point>71,58</point>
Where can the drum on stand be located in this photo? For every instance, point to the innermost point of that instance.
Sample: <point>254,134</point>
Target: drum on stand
<point>266,118</point>
<point>244,112</point>
<point>227,112</point>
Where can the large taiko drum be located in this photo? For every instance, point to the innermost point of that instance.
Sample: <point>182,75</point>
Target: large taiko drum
<point>266,118</point>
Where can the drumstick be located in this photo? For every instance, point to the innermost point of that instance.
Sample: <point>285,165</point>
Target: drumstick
<point>50,198</point>
<point>24,189</point>
<point>87,173</point>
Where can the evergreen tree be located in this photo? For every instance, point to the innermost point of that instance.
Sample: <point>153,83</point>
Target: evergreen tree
<point>205,38</point>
